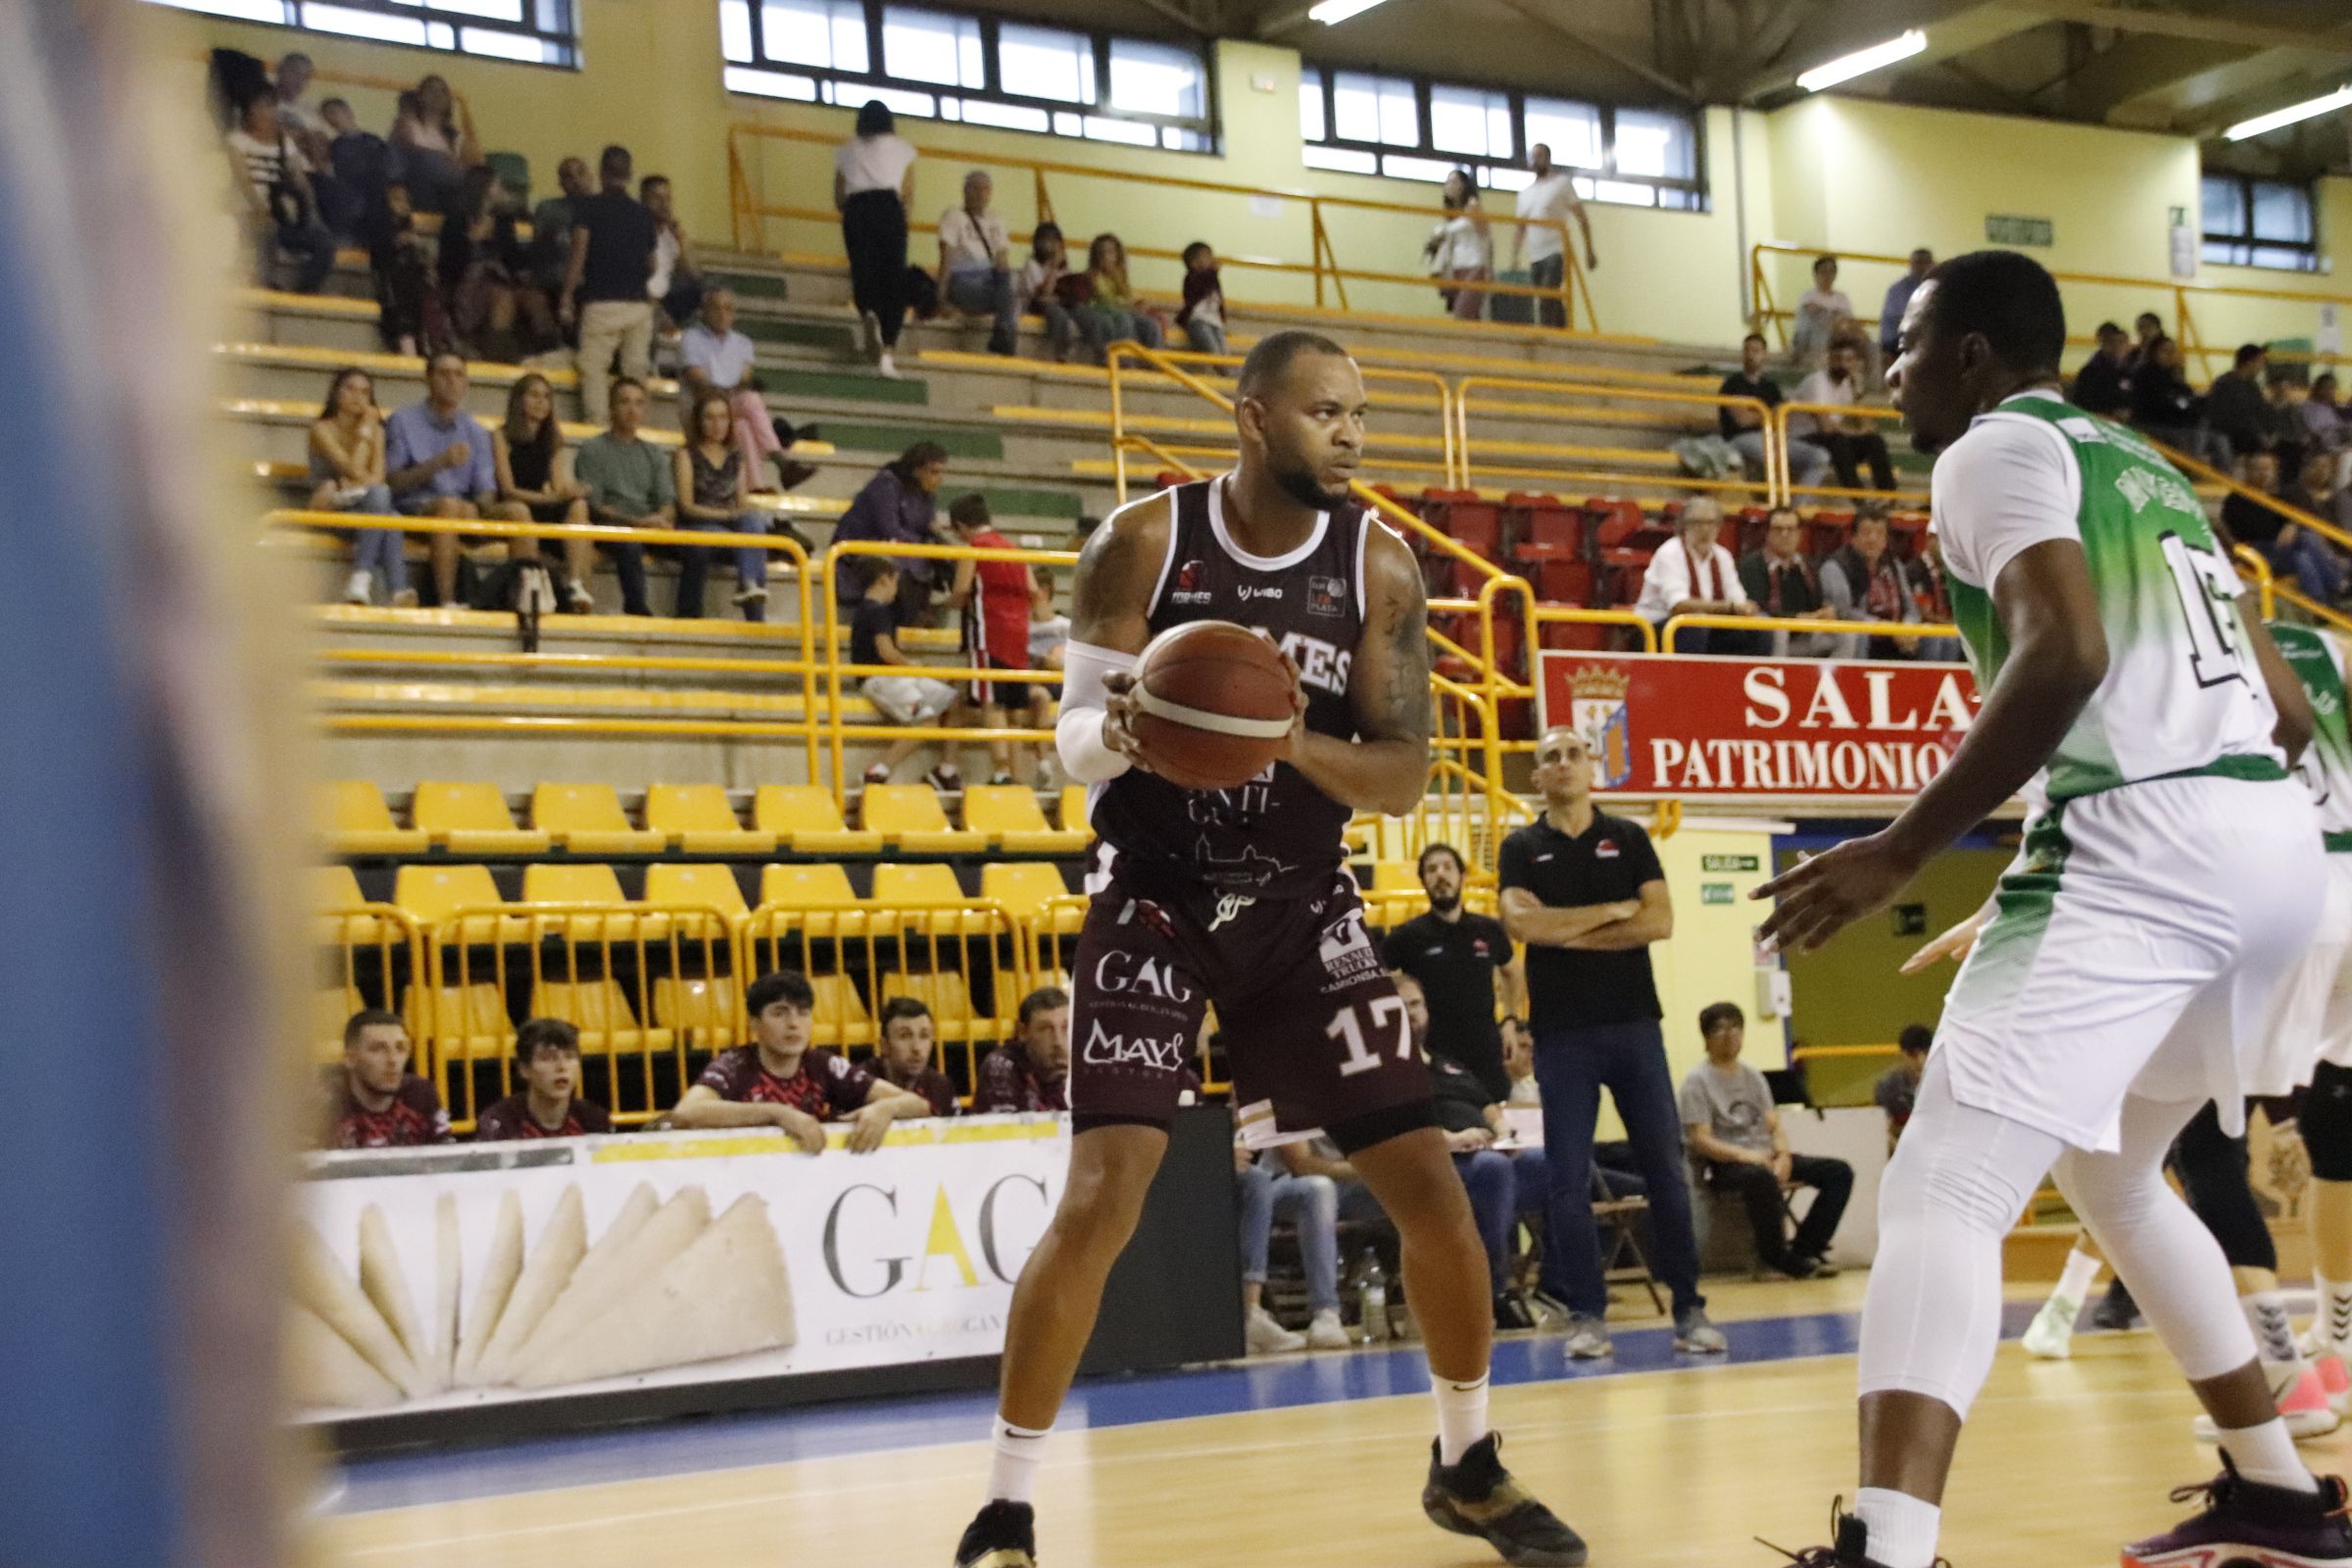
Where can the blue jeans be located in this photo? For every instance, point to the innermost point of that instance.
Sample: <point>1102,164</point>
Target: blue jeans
<point>1493,1188</point>
<point>751,564</point>
<point>377,550</point>
<point>987,291</point>
<point>2308,560</point>
<point>1315,1200</point>
<point>1543,1211</point>
<point>1061,328</point>
<point>1572,1066</point>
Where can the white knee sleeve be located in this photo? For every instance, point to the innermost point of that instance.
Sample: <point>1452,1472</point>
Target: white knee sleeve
<point>1932,1317</point>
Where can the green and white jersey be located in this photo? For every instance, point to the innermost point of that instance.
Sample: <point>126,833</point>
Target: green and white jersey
<point>2326,768</point>
<point>2183,694</point>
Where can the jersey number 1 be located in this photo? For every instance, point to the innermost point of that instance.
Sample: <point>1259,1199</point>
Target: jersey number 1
<point>1345,1029</point>
<point>2209,590</point>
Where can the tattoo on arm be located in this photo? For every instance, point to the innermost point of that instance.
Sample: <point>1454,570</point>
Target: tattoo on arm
<point>1404,707</point>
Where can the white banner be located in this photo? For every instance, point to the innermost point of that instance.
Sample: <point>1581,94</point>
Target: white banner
<point>433,1279</point>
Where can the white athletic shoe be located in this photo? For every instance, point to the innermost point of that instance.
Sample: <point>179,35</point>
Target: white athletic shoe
<point>886,367</point>
<point>1266,1337</point>
<point>2302,1404</point>
<point>1327,1333</point>
<point>2050,1336</point>
<point>360,589</point>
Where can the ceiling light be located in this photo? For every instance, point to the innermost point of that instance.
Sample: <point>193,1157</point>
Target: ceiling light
<point>2263,124</point>
<point>1331,13</point>
<point>1863,61</point>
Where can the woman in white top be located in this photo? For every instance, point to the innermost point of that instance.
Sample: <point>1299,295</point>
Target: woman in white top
<point>873,180</point>
<point>1822,315</point>
<point>1461,248</point>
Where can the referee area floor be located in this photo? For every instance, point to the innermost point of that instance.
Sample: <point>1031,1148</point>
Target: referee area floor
<point>1315,1460</point>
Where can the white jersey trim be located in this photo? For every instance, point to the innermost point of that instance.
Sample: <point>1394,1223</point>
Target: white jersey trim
<point>1167,562</point>
<point>1363,545</point>
<point>1281,563</point>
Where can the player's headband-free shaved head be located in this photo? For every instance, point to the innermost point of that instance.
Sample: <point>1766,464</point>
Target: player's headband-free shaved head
<point>1270,359</point>
<point>2009,300</point>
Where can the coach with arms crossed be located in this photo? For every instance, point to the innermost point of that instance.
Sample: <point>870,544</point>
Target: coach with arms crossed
<point>1585,892</point>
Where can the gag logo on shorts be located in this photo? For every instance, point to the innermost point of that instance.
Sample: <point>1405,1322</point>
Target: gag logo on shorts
<point>1347,951</point>
<point>874,1240</point>
<point>1104,1049</point>
<point>1124,974</point>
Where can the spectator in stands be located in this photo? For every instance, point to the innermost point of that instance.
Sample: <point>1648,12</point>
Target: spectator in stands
<point>361,165</point>
<point>1269,1184</point>
<point>1461,248</point>
<point>1032,1072</point>
<point>1824,316</point>
<point>1519,1063</point>
<point>1780,582</point>
<point>675,284</point>
<point>527,451</point>
<point>347,475</point>
<point>1111,313</point>
<point>2165,409</point>
<point>2238,407</point>
<point>873,185</point>
<point>899,504</point>
<point>283,209</point>
<point>909,701</point>
<point>1048,639</point>
<point>2292,550</point>
<point>1549,198</point>
<point>546,1062</point>
<point>975,262</point>
<point>2326,433</point>
<point>993,596</point>
<point>1932,596</point>
<point>1039,288</point>
<point>2317,491</point>
<point>438,463</point>
<point>613,239</point>
<point>1693,575</point>
<point>2147,328</point>
<point>550,227</point>
<point>1743,428</point>
<point>1735,1133</point>
<point>2103,386</point>
<point>1898,300</point>
<point>372,1099</point>
<point>1850,440</point>
<point>300,121</point>
<point>629,486</point>
<point>1203,315</point>
<point>435,150</point>
<point>1863,581</point>
<point>492,307</point>
<point>778,1081</point>
<point>713,489</point>
<point>1897,1090</point>
<point>910,1052</point>
<point>1463,965</point>
<point>718,356</point>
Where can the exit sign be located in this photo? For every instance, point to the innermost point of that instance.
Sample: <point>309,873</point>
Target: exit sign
<point>2004,231</point>
<point>1730,862</point>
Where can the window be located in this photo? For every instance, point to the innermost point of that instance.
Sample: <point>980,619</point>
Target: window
<point>1361,124</point>
<point>2258,222</point>
<point>930,64</point>
<point>539,32</point>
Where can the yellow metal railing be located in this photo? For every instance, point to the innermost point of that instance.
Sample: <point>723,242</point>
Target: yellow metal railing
<point>1910,494</point>
<point>375,953</point>
<point>1597,408</point>
<point>1913,630</point>
<point>745,181</point>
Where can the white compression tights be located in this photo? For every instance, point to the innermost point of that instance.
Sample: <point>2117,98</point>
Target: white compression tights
<point>1958,1182</point>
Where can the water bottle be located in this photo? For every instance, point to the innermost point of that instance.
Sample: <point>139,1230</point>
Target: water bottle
<point>1372,1305</point>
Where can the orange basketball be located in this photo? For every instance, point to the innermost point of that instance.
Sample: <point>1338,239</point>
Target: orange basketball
<point>1216,704</point>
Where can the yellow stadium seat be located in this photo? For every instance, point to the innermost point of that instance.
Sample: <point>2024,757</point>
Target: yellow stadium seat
<point>467,1020</point>
<point>925,896</point>
<point>911,818</point>
<point>1008,814</point>
<point>840,1018</point>
<point>699,819</point>
<point>711,884</point>
<point>708,1012</point>
<point>587,819</point>
<point>816,898</point>
<point>1024,886</point>
<point>333,890</point>
<point>431,893</point>
<point>1395,876</point>
<point>331,1008</point>
<point>358,822</point>
<point>804,818</point>
<point>472,819</point>
<point>601,1011</point>
<point>578,884</point>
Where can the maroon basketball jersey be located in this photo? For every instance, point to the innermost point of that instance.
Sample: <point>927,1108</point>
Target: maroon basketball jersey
<point>1277,836</point>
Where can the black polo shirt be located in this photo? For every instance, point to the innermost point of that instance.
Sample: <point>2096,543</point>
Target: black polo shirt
<point>1461,1100</point>
<point>1456,961</point>
<point>621,236</point>
<point>1606,864</point>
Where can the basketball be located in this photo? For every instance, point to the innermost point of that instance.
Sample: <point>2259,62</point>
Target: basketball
<point>1216,704</point>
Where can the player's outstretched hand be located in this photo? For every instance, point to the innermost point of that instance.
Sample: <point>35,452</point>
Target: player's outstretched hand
<point>1822,895</point>
<point>1119,711</point>
<point>1954,944</point>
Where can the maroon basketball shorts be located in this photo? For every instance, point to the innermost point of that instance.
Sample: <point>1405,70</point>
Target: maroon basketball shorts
<point>1315,1030</point>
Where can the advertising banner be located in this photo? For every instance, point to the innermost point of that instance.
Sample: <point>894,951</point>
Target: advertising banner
<point>1761,729</point>
<point>437,1279</point>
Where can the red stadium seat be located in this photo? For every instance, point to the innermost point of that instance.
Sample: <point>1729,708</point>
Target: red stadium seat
<point>1613,522</point>
<point>1548,521</point>
<point>1564,582</point>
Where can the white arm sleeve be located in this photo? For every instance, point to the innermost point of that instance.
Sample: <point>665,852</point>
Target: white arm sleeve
<point>1078,733</point>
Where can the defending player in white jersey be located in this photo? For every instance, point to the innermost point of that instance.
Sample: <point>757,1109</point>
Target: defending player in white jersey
<point>2162,891</point>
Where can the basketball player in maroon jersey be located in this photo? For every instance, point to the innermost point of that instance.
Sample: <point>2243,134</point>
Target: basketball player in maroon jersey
<point>1238,897</point>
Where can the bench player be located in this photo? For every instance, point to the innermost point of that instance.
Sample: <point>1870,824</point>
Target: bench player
<point>2164,891</point>
<point>1238,897</point>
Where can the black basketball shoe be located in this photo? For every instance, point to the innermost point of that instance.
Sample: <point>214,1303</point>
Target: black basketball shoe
<point>1479,1497</point>
<point>1851,1551</point>
<point>2277,1527</point>
<point>1002,1535</point>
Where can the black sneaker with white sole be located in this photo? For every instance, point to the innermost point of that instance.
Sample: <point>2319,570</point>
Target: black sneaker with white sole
<point>1003,1534</point>
<point>1480,1498</point>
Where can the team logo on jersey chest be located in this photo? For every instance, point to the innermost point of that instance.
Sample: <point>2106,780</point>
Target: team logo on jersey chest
<point>1188,589</point>
<point>1325,596</point>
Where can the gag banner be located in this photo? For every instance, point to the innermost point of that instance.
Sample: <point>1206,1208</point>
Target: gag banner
<point>434,1279</point>
<point>1774,729</point>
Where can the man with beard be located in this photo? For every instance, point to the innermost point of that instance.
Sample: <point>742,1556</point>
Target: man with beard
<point>1465,966</point>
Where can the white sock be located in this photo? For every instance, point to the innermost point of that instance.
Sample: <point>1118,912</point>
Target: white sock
<point>2265,1454</point>
<point>1013,1472</point>
<point>2082,1272</point>
<point>1902,1529</point>
<point>2274,1330</point>
<point>2335,1314</point>
<point>1461,1416</point>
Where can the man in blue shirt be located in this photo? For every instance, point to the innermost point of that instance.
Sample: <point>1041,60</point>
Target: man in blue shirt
<point>437,464</point>
<point>1898,300</point>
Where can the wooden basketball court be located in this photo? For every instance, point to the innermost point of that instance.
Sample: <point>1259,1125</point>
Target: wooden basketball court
<point>1674,1461</point>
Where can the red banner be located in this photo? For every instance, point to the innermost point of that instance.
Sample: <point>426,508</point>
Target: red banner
<point>1760,728</point>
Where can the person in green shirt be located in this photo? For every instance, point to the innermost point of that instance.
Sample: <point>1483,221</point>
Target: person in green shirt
<point>628,487</point>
